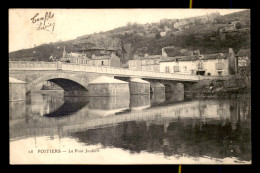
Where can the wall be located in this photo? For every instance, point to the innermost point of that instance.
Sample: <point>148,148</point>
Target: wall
<point>114,61</point>
<point>153,67</point>
<point>139,88</point>
<point>17,91</point>
<point>98,62</point>
<point>210,66</point>
<point>107,89</point>
<point>186,67</point>
<point>135,65</point>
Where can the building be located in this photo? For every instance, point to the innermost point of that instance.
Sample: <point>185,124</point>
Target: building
<point>243,58</point>
<point>150,63</point>
<point>106,58</point>
<point>211,64</point>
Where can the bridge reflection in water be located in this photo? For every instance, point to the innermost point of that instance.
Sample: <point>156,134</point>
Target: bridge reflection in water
<point>216,128</point>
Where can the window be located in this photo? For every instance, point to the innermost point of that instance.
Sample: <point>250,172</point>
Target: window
<point>219,66</point>
<point>167,69</point>
<point>176,68</point>
<point>102,62</point>
<point>242,61</point>
<point>220,73</point>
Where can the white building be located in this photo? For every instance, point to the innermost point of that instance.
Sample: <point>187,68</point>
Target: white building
<point>211,65</point>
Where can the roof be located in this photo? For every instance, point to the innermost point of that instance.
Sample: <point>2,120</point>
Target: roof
<point>244,52</point>
<point>216,56</point>
<point>105,79</point>
<point>181,58</point>
<point>79,56</point>
<point>13,80</point>
<point>154,57</point>
<point>138,80</point>
<point>196,57</point>
<point>101,57</point>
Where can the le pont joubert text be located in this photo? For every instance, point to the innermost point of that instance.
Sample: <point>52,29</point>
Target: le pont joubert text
<point>83,151</point>
<point>68,151</point>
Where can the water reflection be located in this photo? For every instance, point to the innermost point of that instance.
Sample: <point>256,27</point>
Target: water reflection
<point>139,102</point>
<point>197,128</point>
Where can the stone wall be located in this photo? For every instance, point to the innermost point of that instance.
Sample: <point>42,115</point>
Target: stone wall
<point>139,101</point>
<point>139,88</point>
<point>109,89</point>
<point>108,103</point>
<point>17,91</point>
<point>157,87</point>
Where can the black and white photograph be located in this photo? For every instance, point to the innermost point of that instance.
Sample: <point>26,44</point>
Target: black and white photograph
<point>130,86</point>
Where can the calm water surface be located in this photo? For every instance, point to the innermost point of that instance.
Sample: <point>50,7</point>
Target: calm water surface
<point>51,128</point>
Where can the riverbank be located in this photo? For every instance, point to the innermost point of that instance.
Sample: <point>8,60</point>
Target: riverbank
<point>231,88</point>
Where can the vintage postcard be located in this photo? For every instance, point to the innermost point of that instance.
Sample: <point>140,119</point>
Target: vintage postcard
<point>130,86</point>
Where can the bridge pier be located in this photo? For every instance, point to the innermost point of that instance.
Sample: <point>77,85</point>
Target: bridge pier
<point>17,90</point>
<point>178,91</point>
<point>106,86</point>
<point>138,102</point>
<point>138,86</point>
<point>157,87</point>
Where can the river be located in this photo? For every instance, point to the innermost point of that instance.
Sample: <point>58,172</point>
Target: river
<point>158,129</point>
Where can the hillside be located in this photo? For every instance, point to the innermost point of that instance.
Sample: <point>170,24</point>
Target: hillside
<point>205,33</point>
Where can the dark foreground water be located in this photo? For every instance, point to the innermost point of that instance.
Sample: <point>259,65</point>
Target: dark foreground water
<point>49,128</point>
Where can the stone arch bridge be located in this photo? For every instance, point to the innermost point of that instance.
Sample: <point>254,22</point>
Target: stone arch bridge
<point>74,78</point>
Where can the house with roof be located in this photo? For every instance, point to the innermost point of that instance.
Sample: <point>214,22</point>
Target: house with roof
<point>147,63</point>
<point>210,64</point>
<point>106,59</point>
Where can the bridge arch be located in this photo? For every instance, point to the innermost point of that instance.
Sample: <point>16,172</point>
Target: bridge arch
<point>65,81</point>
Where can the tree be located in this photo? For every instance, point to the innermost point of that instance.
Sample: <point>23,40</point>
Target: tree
<point>157,35</point>
<point>238,25</point>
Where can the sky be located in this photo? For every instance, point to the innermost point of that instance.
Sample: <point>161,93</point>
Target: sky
<point>68,24</point>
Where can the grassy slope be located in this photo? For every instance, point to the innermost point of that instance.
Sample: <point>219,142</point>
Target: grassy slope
<point>205,37</point>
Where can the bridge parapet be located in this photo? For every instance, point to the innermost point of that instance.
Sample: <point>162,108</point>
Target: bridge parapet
<point>40,65</point>
<point>127,72</point>
<point>32,65</point>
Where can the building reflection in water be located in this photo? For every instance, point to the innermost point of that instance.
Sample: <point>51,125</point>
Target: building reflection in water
<point>213,128</point>
<point>157,98</point>
<point>139,102</point>
<point>108,105</point>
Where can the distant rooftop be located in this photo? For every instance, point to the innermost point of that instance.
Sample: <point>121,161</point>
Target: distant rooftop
<point>105,79</point>
<point>196,57</point>
<point>101,57</point>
